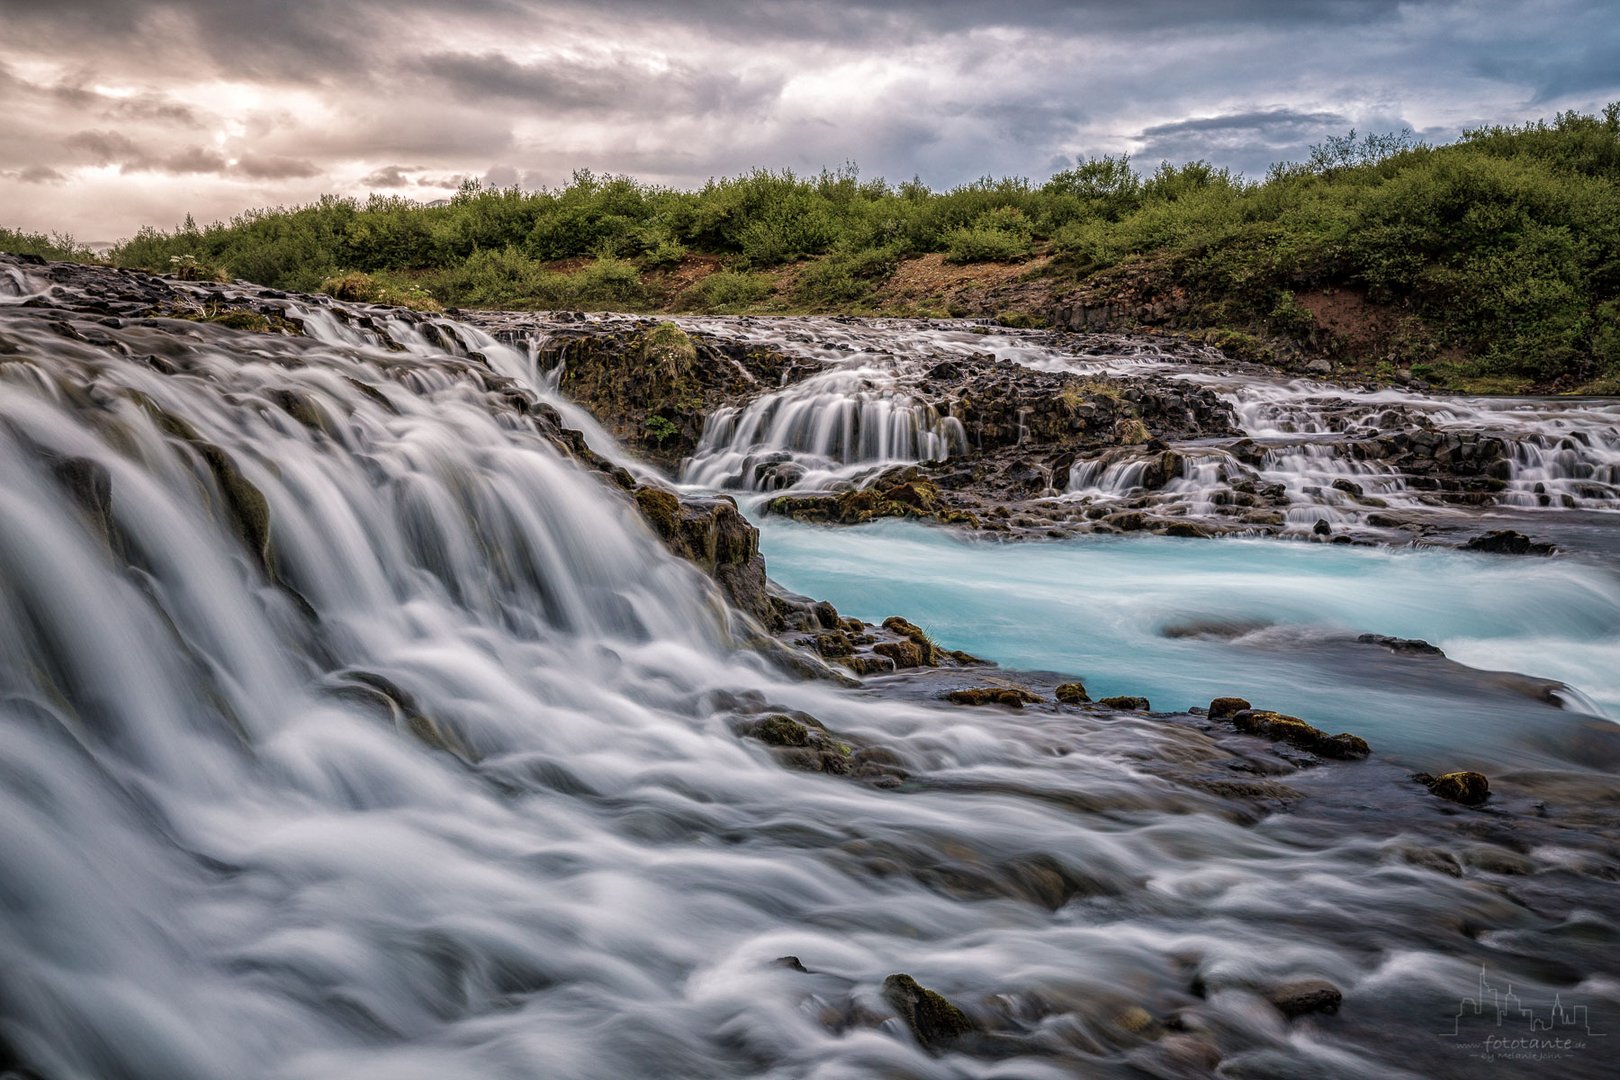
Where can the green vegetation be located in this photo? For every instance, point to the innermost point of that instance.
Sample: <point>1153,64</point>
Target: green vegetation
<point>55,246</point>
<point>1492,262</point>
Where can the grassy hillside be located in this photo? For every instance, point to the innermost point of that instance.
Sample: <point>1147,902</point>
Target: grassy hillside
<point>1492,262</point>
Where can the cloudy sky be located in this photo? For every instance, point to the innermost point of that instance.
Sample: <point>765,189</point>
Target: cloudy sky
<point>118,113</point>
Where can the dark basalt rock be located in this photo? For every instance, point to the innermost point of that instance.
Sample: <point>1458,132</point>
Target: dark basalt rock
<point>1508,542</point>
<point>1306,996</point>
<point>652,384</point>
<point>930,1016</point>
<point>1296,732</point>
<point>1411,646</point>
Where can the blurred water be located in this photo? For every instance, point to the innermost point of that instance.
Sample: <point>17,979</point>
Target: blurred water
<point>1183,621</point>
<point>445,780</point>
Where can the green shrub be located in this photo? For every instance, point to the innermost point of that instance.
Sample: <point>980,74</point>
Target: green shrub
<point>56,246</point>
<point>728,291</point>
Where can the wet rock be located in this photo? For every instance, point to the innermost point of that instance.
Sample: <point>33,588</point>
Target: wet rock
<point>930,1016</point>
<point>1223,708</point>
<point>803,743</point>
<point>792,963</point>
<point>1015,696</point>
<point>903,654</point>
<point>1296,732</point>
<point>1127,702</point>
<point>1072,693</point>
<point>1411,646</point>
<point>868,665</point>
<point>1468,788</point>
<point>1508,542</point>
<point>780,730</point>
<point>1305,996</point>
<point>713,535</point>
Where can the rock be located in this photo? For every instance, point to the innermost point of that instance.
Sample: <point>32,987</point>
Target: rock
<point>1222,708</point>
<point>904,654</point>
<point>868,665</point>
<point>1015,696</point>
<point>1128,702</point>
<point>792,963</point>
<point>712,534</point>
<point>1468,788</point>
<point>1322,528</point>
<point>1305,996</point>
<point>1508,542</point>
<point>931,1017</point>
<point>1072,693</point>
<point>1414,646</point>
<point>1291,729</point>
<point>779,730</point>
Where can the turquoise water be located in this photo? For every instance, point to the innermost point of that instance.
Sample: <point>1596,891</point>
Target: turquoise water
<point>1182,621</point>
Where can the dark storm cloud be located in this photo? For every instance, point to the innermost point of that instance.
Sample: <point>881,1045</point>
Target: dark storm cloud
<point>618,83</point>
<point>1248,142</point>
<point>389,176</point>
<point>35,174</point>
<point>273,167</point>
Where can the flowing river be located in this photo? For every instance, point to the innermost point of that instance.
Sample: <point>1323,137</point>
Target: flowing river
<point>350,728</point>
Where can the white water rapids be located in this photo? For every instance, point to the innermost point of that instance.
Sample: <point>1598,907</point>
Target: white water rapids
<point>457,791</point>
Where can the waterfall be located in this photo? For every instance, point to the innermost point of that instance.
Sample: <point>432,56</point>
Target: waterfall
<point>352,728</point>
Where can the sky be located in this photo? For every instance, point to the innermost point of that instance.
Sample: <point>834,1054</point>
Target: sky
<point>121,113</point>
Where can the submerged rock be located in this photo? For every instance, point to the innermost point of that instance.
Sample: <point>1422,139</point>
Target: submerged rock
<point>1413,646</point>
<point>1015,696</point>
<point>1508,542</point>
<point>1305,996</point>
<point>930,1016</point>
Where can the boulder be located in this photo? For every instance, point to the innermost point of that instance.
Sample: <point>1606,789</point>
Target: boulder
<point>930,1016</point>
<point>1127,702</point>
<point>1072,693</point>
<point>1468,788</point>
<point>1223,708</point>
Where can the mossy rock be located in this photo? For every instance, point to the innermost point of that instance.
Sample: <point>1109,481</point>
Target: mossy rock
<point>904,654</point>
<point>1012,696</point>
<point>932,1018</point>
<point>1296,732</point>
<point>1127,702</point>
<point>1468,788</point>
<point>1223,708</point>
<point>661,509</point>
<point>1072,693</point>
<point>780,730</point>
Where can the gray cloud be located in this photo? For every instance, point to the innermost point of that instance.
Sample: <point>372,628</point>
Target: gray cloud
<point>116,110</point>
<point>390,176</point>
